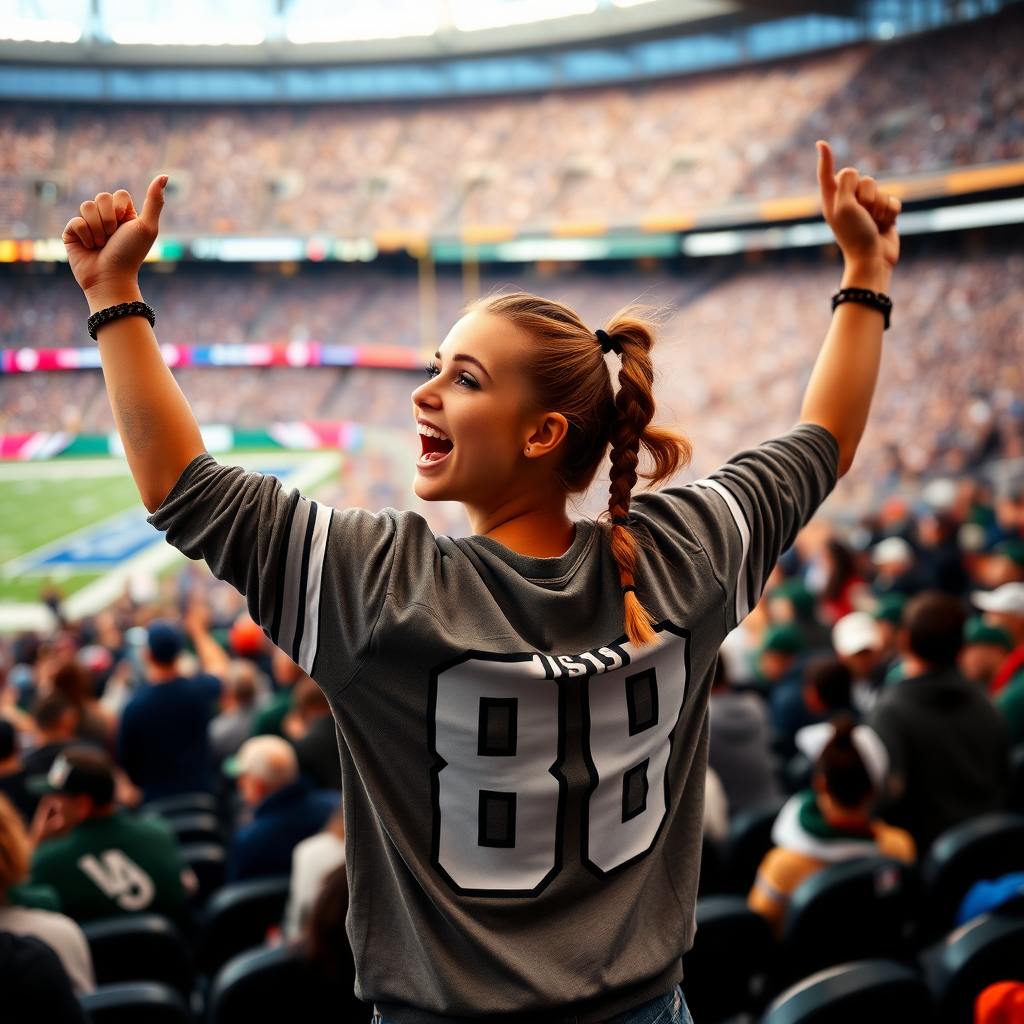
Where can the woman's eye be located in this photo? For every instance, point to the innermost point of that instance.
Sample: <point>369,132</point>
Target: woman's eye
<point>466,380</point>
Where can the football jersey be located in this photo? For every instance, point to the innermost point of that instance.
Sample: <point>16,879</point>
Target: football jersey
<point>523,787</point>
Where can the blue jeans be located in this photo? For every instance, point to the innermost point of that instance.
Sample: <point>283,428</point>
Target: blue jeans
<point>667,1009</point>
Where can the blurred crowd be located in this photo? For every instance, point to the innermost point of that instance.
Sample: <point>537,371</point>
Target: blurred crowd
<point>950,394</point>
<point>942,100</point>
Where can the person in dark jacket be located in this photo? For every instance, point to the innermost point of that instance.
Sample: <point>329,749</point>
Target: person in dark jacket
<point>948,746</point>
<point>319,759</point>
<point>285,808</point>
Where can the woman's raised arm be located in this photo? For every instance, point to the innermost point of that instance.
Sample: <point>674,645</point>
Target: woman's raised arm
<point>863,219</point>
<point>106,246</point>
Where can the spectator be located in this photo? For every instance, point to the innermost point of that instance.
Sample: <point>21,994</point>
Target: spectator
<point>56,721</point>
<point>985,649</point>
<point>888,614</point>
<point>940,554</point>
<point>897,568</point>
<point>102,861</point>
<point>842,583</point>
<point>163,743</point>
<point>75,682</point>
<point>318,748</point>
<point>313,860</point>
<point>738,750</point>
<point>233,726</point>
<point>34,984</point>
<point>823,689</point>
<point>779,660</point>
<point>791,602</point>
<point>830,823</point>
<point>1005,563</point>
<point>859,644</point>
<point>1004,607</point>
<point>59,932</point>
<point>947,744</point>
<point>285,808</point>
<point>270,720</point>
<point>12,773</point>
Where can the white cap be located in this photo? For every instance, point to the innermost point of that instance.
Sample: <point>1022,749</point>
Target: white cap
<point>811,740</point>
<point>940,495</point>
<point>892,549</point>
<point>1007,598</point>
<point>854,633</point>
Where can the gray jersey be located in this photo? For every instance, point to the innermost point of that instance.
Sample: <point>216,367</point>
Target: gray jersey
<point>523,788</point>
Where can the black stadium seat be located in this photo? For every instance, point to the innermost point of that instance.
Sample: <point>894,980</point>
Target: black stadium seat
<point>208,861</point>
<point>749,839</point>
<point>136,1003</point>
<point>237,917</point>
<point>1015,802</point>
<point>985,847</point>
<point>139,947</point>
<point>863,992</point>
<point>283,985</point>
<point>988,949</point>
<point>196,827</point>
<point>731,952</point>
<point>856,910</point>
<point>181,803</point>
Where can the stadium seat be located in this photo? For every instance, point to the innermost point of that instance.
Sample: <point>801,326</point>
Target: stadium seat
<point>875,991</point>
<point>1015,802</point>
<point>181,803</point>
<point>749,839</point>
<point>237,917</point>
<point>852,911</point>
<point>985,847</point>
<point>208,861</point>
<point>139,947</point>
<point>196,827</point>
<point>138,1003</point>
<point>282,984</point>
<point>988,949</point>
<point>730,954</point>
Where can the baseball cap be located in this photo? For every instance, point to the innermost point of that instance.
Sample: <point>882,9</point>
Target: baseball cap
<point>164,642</point>
<point>854,633</point>
<point>978,631</point>
<point>795,590</point>
<point>892,549</point>
<point>890,608</point>
<point>1007,598</point>
<point>1011,549</point>
<point>785,639</point>
<point>77,772</point>
<point>246,637</point>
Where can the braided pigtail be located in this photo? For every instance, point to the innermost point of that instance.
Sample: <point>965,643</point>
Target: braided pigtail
<point>631,337</point>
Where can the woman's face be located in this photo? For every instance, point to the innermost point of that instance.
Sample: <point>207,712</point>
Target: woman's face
<point>475,418</point>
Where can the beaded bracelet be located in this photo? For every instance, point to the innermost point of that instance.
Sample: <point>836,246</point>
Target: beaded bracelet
<point>864,297</point>
<point>104,316</point>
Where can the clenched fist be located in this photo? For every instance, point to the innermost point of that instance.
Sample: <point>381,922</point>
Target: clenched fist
<point>107,243</point>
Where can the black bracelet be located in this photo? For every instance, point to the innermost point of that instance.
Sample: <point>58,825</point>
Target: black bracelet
<point>864,297</point>
<point>104,316</point>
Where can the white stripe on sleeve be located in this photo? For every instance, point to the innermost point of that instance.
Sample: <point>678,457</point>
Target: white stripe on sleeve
<point>743,604</point>
<point>292,576</point>
<point>317,553</point>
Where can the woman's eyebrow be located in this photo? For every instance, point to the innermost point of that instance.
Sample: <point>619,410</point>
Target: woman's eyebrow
<point>471,359</point>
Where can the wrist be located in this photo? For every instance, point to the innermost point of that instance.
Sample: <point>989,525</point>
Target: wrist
<point>874,274</point>
<point>112,293</point>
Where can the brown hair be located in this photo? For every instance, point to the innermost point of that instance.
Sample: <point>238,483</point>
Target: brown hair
<point>846,778</point>
<point>570,376</point>
<point>75,682</point>
<point>934,622</point>
<point>15,851</point>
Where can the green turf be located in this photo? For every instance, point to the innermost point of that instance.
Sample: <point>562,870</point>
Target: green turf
<point>36,512</point>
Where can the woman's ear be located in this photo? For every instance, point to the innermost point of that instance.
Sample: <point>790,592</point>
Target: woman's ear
<point>548,433</point>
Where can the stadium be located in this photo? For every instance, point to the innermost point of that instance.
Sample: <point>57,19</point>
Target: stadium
<point>344,181</point>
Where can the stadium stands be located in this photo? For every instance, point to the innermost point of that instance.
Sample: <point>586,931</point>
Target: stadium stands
<point>619,154</point>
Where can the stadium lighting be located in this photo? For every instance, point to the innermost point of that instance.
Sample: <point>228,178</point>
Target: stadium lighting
<point>35,30</point>
<point>312,21</point>
<point>187,34</point>
<point>472,15</point>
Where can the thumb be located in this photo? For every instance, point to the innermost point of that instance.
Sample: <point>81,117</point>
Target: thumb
<point>826,176</point>
<point>847,181</point>
<point>154,203</point>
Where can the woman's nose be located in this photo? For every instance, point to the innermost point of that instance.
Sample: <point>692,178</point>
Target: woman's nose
<point>426,395</point>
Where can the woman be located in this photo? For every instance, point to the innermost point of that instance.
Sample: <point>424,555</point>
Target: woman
<point>522,712</point>
<point>830,823</point>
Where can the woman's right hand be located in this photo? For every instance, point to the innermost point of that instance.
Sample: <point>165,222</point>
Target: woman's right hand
<point>107,244</point>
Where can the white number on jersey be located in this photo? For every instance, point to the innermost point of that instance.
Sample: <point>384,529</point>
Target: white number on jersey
<point>119,878</point>
<point>498,733</point>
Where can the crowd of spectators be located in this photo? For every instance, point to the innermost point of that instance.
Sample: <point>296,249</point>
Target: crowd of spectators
<point>947,99</point>
<point>875,694</point>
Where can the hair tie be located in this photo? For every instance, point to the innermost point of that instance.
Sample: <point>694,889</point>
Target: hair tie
<point>620,520</point>
<point>628,589</point>
<point>607,342</point>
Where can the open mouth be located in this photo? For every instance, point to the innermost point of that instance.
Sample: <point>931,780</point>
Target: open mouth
<point>435,446</point>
